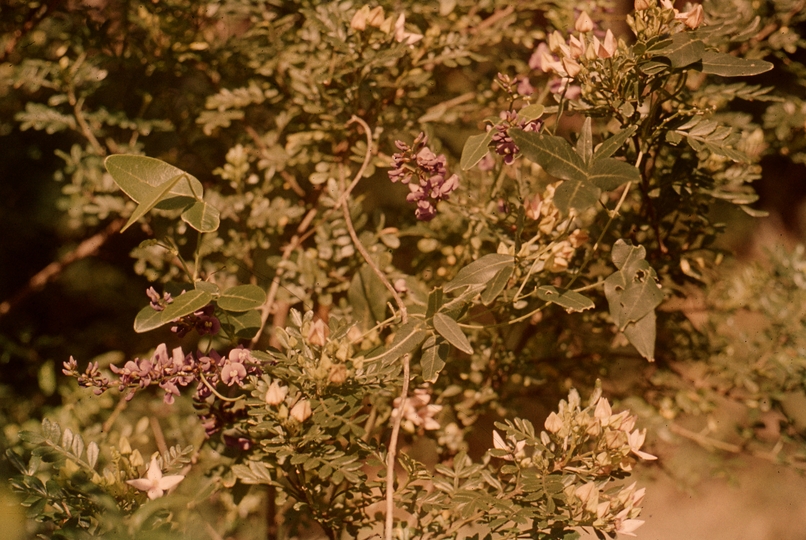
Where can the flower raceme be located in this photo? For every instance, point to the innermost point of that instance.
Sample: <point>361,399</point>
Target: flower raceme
<point>425,174</point>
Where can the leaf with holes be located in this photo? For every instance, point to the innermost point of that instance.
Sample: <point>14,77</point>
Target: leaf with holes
<point>570,300</point>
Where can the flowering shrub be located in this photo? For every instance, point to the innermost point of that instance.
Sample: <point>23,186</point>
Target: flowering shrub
<point>324,361</point>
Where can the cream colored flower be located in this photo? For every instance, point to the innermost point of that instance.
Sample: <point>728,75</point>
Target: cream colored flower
<point>692,19</point>
<point>401,35</point>
<point>318,333</point>
<point>155,483</point>
<point>301,411</point>
<point>276,393</point>
<point>636,440</point>
<point>553,423</point>
<point>583,23</point>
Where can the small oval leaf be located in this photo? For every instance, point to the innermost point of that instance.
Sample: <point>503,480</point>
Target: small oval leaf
<point>476,147</point>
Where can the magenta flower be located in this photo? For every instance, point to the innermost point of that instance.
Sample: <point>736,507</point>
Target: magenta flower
<point>425,174</point>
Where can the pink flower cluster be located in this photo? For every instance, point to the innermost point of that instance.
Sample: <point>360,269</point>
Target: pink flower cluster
<point>425,174</point>
<point>170,372</point>
<point>504,145</point>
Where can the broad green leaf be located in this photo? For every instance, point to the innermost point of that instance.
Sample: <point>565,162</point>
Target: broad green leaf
<point>552,153</point>
<point>614,287</point>
<point>578,195</point>
<point>585,142</point>
<point>407,338</point>
<point>450,330</point>
<point>641,295</point>
<point>147,319</point>
<point>241,298</point>
<point>570,300</point>
<point>610,146</point>
<point>497,285</point>
<point>531,112</point>
<point>202,216</point>
<point>434,302</point>
<point>642,335</point>
<point>479,271</point>
<point>476,147</point>
<point>624,254</point>
<point>727,65</point>
<point>207,286</point>
<point>683,50</point>
<point>183,304</point>
<point>150,200</point>
<point>610,173</point>
<point>137,175</point>
<point>368,297</point>
<point>433,358</point>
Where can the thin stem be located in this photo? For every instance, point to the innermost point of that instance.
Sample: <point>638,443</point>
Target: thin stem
<point>390,458</point>
<point>343,199</point>
<point>215,392</point>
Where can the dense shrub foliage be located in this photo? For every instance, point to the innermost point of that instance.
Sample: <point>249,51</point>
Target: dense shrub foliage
<point>386,244</point>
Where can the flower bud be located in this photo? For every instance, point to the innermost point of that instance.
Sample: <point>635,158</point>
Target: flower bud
<point>553,423</point>
<point>276,393</point>
<point>583,23</point>
<point>571,67</point>
<point>359,21</point>
<point>338,374</point>
<point>375,17</point>
<point>318,333</point>
<point>608,48</point>
<point>301,411</point>
<point>692,19</point>
<point>641,5</point>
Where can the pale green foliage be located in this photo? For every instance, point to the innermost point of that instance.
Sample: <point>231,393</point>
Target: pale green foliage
<point>582,214</point>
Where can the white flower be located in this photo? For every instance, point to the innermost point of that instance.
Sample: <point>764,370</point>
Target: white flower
<point>636,439</point>
<point>301,411</point>
<point>583,23</point>
<point>154,483</point>
<point>276,393</point>
<point>400,32</point>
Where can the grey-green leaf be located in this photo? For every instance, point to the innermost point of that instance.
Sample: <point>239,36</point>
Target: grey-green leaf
<point>552,153</point>
<point>624,254</point>
<point>202,216</point>
<point>642,335</point>
<point>476,147</point>
<point>683,50</point>
<point>407,339</point>
<point>727,65</point>
<point>434,357</point>
<point>570,300</point>
<point>479,271</point>
<point>151,199</point>
<point>585,142</point>
<point>609,173</point>
<point>497,285</point>
<point>137,175</point>
<point>610,146</point>
<point>183,304</point>
<point>450,330</point>
<point>577,195</point>
<point>241,298</point>
<point>531,112</point>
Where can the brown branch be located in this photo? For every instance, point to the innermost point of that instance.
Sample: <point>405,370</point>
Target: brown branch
<point>86,248</point>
